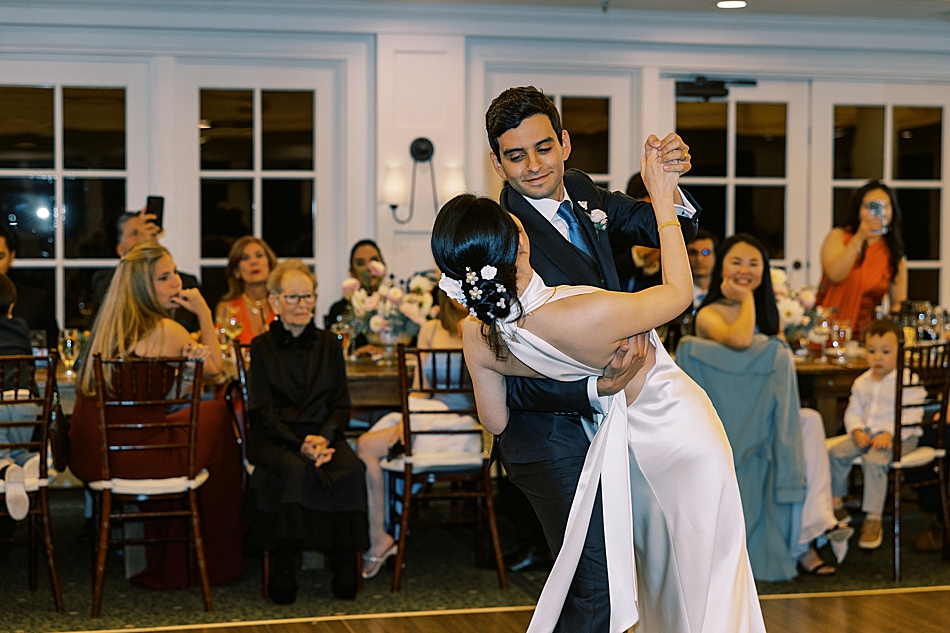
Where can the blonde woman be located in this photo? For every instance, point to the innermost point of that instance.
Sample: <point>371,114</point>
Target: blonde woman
<point>134,322</point>
<point>249,263</point>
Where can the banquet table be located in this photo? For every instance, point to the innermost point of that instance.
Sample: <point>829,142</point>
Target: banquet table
<point>822,385</point>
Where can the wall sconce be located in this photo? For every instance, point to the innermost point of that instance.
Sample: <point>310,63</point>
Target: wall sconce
<point>454,183</point>
<point>394,187</point>
<point>421,151</point>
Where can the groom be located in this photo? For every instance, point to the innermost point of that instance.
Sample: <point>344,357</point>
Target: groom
<point>568,218</point>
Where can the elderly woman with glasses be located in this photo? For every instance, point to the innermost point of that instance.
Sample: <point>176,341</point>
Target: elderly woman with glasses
<point>308,489</point>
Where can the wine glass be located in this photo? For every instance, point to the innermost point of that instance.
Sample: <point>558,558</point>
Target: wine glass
<point>69,348</point>
<point>342,331</point>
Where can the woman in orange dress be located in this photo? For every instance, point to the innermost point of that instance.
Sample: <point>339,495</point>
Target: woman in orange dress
<point>865,260</point>
<point>134,322</point>
<point>249,263</point>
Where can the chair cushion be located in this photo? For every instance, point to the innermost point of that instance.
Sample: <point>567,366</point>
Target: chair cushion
<point>437,461</point>
<point>920,456</point>
<point>165,486</point>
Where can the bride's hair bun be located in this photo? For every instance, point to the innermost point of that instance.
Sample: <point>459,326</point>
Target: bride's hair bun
<point>486,294</point>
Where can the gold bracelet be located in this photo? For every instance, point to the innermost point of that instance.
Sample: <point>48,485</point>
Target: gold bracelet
<point>670,223</point>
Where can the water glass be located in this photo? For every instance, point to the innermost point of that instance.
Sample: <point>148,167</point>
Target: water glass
<point>69,348</point>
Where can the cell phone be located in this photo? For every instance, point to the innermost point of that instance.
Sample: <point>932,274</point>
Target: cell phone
<point>876,211</point>
<point>156,206</point>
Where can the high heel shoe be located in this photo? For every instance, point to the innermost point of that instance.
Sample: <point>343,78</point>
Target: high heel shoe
<point>839,538</point>
<point>372,564</point>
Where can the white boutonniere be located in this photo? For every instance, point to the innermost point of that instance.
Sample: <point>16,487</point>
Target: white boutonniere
<point>599,218</point>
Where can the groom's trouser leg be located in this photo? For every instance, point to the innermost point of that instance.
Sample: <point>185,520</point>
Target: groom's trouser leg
<point>550,486</point>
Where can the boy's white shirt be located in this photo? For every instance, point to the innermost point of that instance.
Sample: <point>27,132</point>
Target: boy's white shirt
<point>871,405</point>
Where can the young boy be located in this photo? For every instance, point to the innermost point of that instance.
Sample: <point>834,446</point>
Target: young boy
<point>14,339</point>
<point>869,421</point>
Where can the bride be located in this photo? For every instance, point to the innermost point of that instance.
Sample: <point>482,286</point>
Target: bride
<point>676,551</point>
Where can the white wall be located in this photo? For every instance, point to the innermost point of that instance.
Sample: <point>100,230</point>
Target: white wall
<point>410,70</point>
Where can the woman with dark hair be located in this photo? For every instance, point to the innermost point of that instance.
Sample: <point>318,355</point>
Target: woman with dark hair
<point>662,461</point>
<point>740,304</point>
<point>740,301</point>
<point>249,263</point>
<point>363,270</point>
<point>865,259</point>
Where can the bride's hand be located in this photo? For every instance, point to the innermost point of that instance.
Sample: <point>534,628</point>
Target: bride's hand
<point>659,182</point>
<point>627,361</point>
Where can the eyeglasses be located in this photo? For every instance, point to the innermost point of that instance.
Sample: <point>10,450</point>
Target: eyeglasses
<point>295,299</point>
<point>703,252</point>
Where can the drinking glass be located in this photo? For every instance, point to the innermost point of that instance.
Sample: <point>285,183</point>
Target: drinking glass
<point>840,335</point>
<point>342,331</point>
<point>69,348</point>
<point>232,325</point>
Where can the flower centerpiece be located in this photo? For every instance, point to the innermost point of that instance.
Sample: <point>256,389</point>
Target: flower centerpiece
<point>393,312</point>
<point>796,309</point>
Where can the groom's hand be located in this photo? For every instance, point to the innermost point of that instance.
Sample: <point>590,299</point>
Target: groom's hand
<point>628,360</point>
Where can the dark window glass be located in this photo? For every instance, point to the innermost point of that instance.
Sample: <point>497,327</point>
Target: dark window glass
<point>703,128</point>
<point>920,215</point>
<point>760,139</point>
<point>918,135</point>
<point>587,120</point>
<point>27,205</point>
<point>227,129</point>
<point>91,207</point>
<point>81,300</point>
<point>923,285</point>
<point>26,127</point>
<point>43,279</point>
<point>214,283</point>
<point>94,128</point>
<point>287,129</point>
<point>226,207</point>
<point>841,205</point>
<point>761,212</point>
<point>859,142</point>
<point>288,217</point>
<point>712,200</point>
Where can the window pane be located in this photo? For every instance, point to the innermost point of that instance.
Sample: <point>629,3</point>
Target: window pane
<point>227,129</point>
<point>918,133</point>
<point>90,208</point>
<point>703,127</point>
<point>712,199</point>
<point>81,303</point>
<point>226,207</point>
<point>26,204</point>
<point>760,139</point>
<point>287,129</point>
<point>288,217</point>
<point>920,215</point>
<point>761,212</point>
<point>43,279</point>
<point>587,120</point>
<point>26,127</point>
<point>923,285</point>
<point>214,284</point>
<point>841,203</point>
<point>94,128</point>
<point>859,142</point>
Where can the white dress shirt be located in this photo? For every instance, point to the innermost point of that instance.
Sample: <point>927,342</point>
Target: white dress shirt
<point>871,406</point>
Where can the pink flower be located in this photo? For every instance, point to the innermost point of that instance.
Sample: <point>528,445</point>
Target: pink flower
<point>375,268</point>
<point>377,323</point>
<point>807,299</point>
<point>395,295</point>
<point>371,303</point>
<point>350,285</point>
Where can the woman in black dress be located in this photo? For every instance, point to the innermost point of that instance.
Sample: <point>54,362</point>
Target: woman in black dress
<point>308,489</point>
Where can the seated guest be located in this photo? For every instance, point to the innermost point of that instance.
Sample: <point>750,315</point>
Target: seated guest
<point>308,489</point>
<point>249,263</point>
<point>373,445</point>
<point>14,340</point>
<point>702,258</point>
<point>33,305</point>
<point>741,303</point>
<point>362,253</point>
<point>134,322</point>
<point>138,227</point>
<point>638,267</point>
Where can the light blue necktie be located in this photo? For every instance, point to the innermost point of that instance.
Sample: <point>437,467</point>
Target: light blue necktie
<point>574,234</point>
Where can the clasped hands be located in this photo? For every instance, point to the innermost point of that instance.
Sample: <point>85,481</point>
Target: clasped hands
<point>880,441</point>
<point>626,362</point>
<point>316,448</point>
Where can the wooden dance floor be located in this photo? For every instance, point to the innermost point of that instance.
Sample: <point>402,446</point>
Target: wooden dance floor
<point>917,610</point>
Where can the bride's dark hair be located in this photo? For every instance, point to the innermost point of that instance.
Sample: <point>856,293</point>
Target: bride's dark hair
<point>469,234</point>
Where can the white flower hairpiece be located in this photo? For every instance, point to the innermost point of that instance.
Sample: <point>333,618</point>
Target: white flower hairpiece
<point>488,272</point>
<point>452,288</point>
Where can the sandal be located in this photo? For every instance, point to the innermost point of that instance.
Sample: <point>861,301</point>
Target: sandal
<point>820,569</point>
<point>372,564</point>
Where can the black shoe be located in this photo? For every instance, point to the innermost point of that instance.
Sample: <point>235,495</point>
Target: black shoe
<point>528,559</point>
<point>343,592</point>
<point>343,563</point>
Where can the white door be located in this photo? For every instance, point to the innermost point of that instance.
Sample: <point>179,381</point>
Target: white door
<point>896,134</point>
<point>750,154</point>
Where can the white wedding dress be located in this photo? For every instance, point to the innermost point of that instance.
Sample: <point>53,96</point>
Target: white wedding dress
<point>675,534</point>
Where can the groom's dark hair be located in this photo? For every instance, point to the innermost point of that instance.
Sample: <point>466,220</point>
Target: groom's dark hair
<point>515,105</point>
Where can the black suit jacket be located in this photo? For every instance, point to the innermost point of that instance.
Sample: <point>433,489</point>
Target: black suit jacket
<point>545,414</point>
<point>38,310</point>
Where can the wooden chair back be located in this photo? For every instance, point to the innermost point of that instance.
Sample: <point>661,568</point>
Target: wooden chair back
<point>19,377</point>
<point>922,368</point>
